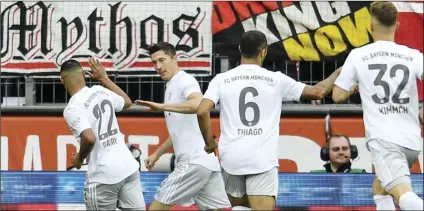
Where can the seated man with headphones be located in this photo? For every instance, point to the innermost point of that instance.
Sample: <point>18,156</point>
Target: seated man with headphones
<point>338,154</point>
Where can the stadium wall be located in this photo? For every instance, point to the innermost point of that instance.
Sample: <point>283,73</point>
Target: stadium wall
<point>39,139</point>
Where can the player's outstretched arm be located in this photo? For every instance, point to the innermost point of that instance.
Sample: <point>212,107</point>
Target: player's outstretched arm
<point>321,89</point>
<point>204,119</point>
<point>345,85</point>
<point>164,148</point>
<point>187,107</point>
<point>99,74</point>
<point>340,95</point>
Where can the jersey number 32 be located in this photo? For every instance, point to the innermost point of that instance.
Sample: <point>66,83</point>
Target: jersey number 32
<point>380,82</point>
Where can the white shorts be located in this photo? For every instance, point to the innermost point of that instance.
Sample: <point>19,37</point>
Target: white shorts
<point>126,195</point>
<point>262,184</point>
<point>190,183</point>
<point>392,162</point>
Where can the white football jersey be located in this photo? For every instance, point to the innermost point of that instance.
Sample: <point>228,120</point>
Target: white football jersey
<point>94,108</point>
<point>250,99</point>
<point>187,139</point>
<point>386,74</point>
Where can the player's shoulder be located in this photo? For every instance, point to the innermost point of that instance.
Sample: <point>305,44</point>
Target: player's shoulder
<point>361,50</point>
<point>220,76</point>
<point>406,49</point>
<point>96,88</point>
<point>414,52</point>
<point>187,77</point>
<point>70,109</point>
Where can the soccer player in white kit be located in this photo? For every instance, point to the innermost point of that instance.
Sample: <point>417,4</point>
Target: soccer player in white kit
<point>113,177</point>
<point>250,99</point>
<point>386,75</point>
<point>197,176</point>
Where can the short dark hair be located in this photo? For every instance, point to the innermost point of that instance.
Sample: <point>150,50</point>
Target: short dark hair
<point>252,42</point>
<point>69,65</point>
<point>385,12</point>
<point>167,48</point>
<point>337,135</point>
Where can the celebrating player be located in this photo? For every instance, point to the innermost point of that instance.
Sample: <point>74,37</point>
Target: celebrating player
<point>386,75</point>
<point>250,100</point>
<point>113,177</point>
<point>197,177</point>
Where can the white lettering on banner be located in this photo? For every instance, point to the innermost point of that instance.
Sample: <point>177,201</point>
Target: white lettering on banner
<point>143,143</point>
<point>32,156</point>
<point>303,17</point>
<point>4,153</point>
<point>282,25</point>
<point>326,9</point>
<point>261,25</point>
<point>40,36</point>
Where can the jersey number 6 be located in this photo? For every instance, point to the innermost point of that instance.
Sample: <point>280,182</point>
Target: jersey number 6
<point>243,107</point>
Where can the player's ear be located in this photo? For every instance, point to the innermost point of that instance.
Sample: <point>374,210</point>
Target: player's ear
<point>174,58</point>
<point>397,25</point>
<point>263,53</point>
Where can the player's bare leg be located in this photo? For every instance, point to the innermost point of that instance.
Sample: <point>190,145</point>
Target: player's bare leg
<point>262,202</point>
<point>406,198</point>
<point>238,201</point>
<point>382,199</point>
<point>155,205</point>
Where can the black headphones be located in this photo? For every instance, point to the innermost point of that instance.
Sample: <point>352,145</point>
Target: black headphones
<point>325,151</point>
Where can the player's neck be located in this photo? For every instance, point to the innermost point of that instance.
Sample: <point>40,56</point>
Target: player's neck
<point>75,88</point>
<point>384,37</point>
<point>250,61</point>
<point>175,73</point>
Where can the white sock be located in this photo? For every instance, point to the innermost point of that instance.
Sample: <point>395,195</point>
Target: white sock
<point>384,202</point>
<point>410,201</point>
<point>241,208</point>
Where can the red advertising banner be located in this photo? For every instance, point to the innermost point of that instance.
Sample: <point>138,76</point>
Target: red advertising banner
<point>46,144</point>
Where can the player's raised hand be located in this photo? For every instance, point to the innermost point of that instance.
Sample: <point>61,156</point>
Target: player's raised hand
<point>98,72</point>
<point>150,161</point>
<point>152,105</point>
